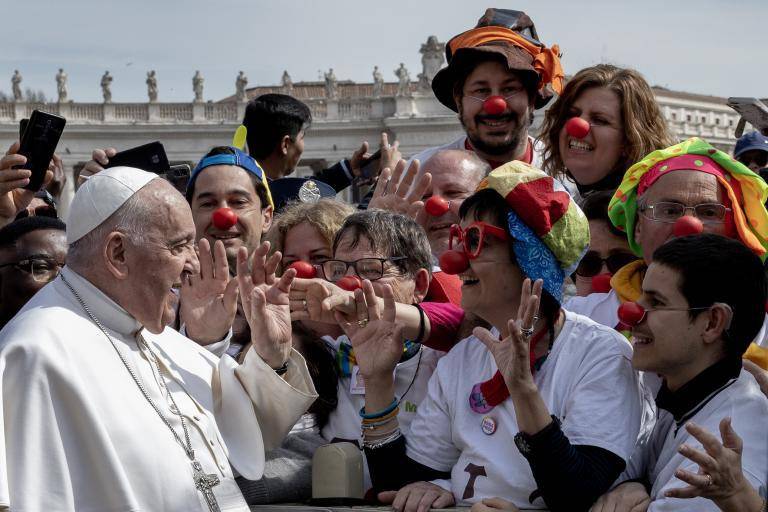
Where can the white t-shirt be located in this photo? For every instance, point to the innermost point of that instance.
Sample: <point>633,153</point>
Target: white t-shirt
<point>657,458</point>
<point>587,382</point>
<point>344,421</point>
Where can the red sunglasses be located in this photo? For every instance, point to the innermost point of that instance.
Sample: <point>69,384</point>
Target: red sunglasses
<point>472,237</point>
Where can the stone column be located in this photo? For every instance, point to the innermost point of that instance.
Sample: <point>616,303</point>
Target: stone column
<point>198,112</point>
<point>332,110</point>
<point>20,110</point>
<point>377,108</point>
<point>65,109</point>
<point>154,112</point>
<point>404,106</point>
<point>108,110</point>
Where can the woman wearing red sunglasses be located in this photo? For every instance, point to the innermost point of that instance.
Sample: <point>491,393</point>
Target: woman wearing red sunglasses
<point>544,409</point>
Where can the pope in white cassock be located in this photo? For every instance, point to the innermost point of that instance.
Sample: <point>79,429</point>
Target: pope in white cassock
<point>105,409</point>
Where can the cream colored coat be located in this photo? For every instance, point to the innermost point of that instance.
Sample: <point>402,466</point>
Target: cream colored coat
<point>79,435</point>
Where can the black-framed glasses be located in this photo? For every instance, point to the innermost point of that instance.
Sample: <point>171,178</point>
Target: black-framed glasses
<point>365,268</point>
<point>42,270</point>
<point>591,264</point>
<point>667,211</point>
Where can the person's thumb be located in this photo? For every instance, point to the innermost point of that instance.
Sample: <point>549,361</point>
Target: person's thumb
<point>387,496</point>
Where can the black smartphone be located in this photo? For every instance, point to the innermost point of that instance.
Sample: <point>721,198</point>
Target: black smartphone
<point>178,176</point>
<point>22,127</point>
<point>38,143</point>
<point>371,165</point>
<point>148,157</point>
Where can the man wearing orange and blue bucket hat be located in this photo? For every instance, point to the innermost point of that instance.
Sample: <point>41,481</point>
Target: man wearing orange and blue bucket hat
<point>685,189</point>
<point>498,73</point>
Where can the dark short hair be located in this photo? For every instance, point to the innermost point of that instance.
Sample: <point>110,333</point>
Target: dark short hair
<point>258,185</point>
<point>595,207</point>
<point>712,269</point>
<point>389,234</point>
<point>11,233</point>
<point>270,117</point>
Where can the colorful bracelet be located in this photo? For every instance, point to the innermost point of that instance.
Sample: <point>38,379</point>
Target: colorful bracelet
<point>379,414</point>
<point>373,445</point>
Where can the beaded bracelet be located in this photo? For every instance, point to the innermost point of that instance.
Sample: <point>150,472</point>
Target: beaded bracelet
<point>373,425</point>
<point>373,445</point>
<point>380,414</point>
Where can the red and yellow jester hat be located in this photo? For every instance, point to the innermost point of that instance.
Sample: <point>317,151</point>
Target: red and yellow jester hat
<point>746,191</point>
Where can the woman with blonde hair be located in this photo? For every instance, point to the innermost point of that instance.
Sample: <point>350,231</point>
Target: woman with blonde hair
<point>605,120</point>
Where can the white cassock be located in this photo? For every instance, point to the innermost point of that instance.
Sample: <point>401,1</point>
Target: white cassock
<point>79,435</point>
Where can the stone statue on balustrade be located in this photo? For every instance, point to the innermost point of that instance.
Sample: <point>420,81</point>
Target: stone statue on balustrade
<point>331,85</point>
<point>197,86</point>
<point>106,87</point>
<point>378,82</point>
<point>152,86</point>
<point>403,81</point>
<point>61,85</point>
<point>16,85</point>
<point>432,59</point>
<point>287,83</point>
<point>240,84</point>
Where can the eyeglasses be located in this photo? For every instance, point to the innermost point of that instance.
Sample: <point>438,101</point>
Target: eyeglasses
<point>670,212</point>
<point>472,237</point>
<point>591,264</point>
<point>43,270</point>
<point>365,268</point>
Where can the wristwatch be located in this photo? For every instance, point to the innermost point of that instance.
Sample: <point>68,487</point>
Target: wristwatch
<point>526,442</point>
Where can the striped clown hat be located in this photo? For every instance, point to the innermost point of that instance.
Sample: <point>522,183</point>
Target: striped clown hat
<point>550,232</point>
<point>744,194</point>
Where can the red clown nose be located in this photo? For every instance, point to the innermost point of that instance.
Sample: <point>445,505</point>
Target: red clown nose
<point>303,269</point>
<point>687,225</point>
<point>577,127</point>
<point>494,105</point>
<point>349,283</point>
<point>601,283</point>
<point>436,206</point>
<point>631,313</point>
<point>453,262</point>
<point>224,218</point>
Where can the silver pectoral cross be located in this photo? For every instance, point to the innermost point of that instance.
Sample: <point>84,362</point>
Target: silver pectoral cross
<point>205,484</point>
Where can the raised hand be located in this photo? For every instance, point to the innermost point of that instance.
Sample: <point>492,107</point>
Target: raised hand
<point>208,301</point>
<point>265,302</point>
<point>14,198</point>
<point>376,338</point>
<point>720,477</point>
<point>359,158</point>
<point>418,497</point>
<point>512,354</point>
<point>396,192</point>
<point>319,300</point>
<point>99,158</point>
<point>390,153</point>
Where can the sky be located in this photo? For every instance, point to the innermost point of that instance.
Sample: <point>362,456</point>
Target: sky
<point>712,47</point>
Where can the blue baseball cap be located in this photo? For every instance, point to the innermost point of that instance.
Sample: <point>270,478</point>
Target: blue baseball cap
<point>237,158</point>
<point>750,141</point>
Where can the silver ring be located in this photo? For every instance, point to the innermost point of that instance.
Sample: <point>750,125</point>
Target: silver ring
<point>709,480</point>
<point>527,333</point>
<point>362,323</point>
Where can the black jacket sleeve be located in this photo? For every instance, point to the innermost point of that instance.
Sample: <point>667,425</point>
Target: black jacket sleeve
<point>335,176</point>
<point>391,468</point>
<point>570,477</point>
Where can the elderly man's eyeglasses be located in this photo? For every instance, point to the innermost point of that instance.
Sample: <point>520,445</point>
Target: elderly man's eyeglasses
<point>669,212</point>
<point>473,236</point>
<point>365,268</point>
<point>42,270</point>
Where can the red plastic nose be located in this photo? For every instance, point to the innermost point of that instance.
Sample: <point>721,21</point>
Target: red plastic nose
<point>349,283</point>
<point>631,313</point>
<point>453,262</point>
<point>601,283</point>
<point>494,105</point>
<point>577,127</point>
<point>303,269</point>
<point>687,225</point>
<point>224,218</point>
<point>436,206</point>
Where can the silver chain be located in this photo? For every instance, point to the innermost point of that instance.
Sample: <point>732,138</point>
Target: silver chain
<point>188,447</point>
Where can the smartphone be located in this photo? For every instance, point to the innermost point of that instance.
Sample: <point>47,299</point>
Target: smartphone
<point>178,176</point>
<point>38,143</point>
<point>22,127</point>
<point>752,110</point>
<point>371,166</point>
<point>148,157</point>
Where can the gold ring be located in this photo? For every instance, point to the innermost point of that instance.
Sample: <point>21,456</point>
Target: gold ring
<point>709,480</point>
<point>362,323</point>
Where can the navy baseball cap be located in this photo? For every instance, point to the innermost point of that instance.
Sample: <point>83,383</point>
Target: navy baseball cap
<point>750,141</point>
<point>305,190</point>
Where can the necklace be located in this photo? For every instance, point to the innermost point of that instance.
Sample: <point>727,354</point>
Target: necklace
<point>203,482</point>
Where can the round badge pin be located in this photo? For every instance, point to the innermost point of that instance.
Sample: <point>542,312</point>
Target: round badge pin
<point>488,425</point>
<point>309,192</point>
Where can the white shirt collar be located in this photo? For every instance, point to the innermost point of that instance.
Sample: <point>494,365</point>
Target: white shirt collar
<point>108,312</point>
